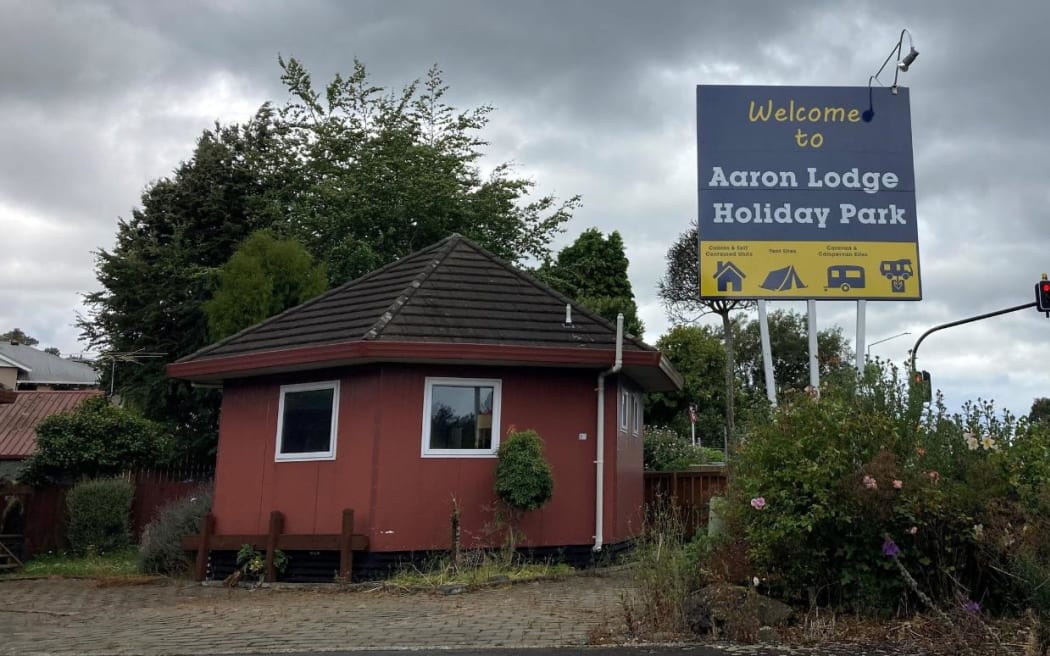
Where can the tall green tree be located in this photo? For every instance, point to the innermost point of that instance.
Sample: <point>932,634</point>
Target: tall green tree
<point>16,335</point>
<point>593,272</point>
<point>388,172</point>
<point>697,353</point>
<point>263,277</point>
<point>1040,412</point>
<point>165,264</point>
<point>789,344</point>
<point>679,289</point>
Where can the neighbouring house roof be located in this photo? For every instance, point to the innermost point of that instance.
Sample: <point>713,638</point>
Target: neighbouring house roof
<point>40,368</point>
<point>18,420</point>
<point>450,302</point>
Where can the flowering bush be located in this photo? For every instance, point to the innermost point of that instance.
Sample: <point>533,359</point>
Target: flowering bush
<point>666,450</point>
<point>866,480</point>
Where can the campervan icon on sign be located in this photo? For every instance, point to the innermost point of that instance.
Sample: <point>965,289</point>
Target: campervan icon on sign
<point>845,277</point>
<point>896,269</point>
<point>897,272</point>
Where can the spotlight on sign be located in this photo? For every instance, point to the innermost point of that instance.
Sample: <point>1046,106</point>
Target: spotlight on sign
<point>903,64</point>
<point>908,60</point>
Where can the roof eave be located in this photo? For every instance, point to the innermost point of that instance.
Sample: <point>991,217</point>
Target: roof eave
<point>649,368</point>
<point>14,363</point>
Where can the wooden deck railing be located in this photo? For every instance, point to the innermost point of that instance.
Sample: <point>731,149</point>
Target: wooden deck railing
<point>346,542</point>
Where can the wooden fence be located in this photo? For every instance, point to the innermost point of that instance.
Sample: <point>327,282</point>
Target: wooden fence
<point>39,512</point>
<point>688,493</point>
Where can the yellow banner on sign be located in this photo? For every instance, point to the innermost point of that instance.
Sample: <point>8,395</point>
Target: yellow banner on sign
<point>810,269</point>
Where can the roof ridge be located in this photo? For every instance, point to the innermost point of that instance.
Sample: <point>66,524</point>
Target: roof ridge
<point>447,246</point>
<point>356,281</point>
<point>547,289</point>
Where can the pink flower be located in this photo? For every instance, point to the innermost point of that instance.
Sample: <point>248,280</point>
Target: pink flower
<point>913,530</point>
<point>870,483</point>
<point>758,503</point>
<point>897,484</point>
<point>935,477</point>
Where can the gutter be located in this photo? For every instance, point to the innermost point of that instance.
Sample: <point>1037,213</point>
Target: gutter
<point>599,460</point>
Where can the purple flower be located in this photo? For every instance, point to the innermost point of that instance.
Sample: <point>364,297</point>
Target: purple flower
<point>971,606</point>
<point>758,503</point>
<point>890,548</point>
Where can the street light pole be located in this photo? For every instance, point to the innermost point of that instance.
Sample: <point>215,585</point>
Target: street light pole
<point>868,351</point>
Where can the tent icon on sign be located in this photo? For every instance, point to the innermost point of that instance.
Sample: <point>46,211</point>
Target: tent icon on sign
<point>780,280</point>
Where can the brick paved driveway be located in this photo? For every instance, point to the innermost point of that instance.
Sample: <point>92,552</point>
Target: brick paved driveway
<point>78,617</point>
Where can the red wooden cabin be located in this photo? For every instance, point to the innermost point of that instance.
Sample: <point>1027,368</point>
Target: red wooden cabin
<point>388,396</point>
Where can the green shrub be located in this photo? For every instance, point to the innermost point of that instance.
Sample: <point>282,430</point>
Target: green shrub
<point>666,450</point>
<point>95,439</point>
<point>831,495</point>
<point>100,515</point>
<point>161,549</point>
<point>524,480</point>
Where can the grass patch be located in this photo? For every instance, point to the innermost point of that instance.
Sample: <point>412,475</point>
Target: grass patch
<point>476,569</point>
<point>119,564</point>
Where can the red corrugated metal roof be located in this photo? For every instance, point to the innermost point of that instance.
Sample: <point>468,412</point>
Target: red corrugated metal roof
<point>18,420</point>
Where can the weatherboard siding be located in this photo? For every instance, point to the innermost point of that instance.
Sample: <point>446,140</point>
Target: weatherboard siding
<point>403,501</point>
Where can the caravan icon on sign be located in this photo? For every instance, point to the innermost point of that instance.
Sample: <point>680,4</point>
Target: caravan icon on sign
<point>845,277</point>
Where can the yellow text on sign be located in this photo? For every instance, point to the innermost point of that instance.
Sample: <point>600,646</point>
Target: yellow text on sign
<point>810,269</point>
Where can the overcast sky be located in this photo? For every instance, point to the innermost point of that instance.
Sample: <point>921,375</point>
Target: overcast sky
<point>595,98</point>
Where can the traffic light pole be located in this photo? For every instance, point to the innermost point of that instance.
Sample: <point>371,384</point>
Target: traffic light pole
<point>915,349</point>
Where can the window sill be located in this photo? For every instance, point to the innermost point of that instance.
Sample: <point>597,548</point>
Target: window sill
<point>304,457</point>
<point>460,454</point>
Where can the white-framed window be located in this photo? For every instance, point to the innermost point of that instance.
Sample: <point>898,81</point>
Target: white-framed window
<point>308,421</point>
<point>636,414</point>
<point>461,417</point>
<point>625,409</point>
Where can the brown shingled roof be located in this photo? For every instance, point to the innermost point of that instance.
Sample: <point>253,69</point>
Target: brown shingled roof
<point>18,420</point>
<point>451,293</point>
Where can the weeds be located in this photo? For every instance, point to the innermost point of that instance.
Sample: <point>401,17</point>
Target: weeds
<point>664,575</point>
<point>475,568</point>
<point>117,564</point>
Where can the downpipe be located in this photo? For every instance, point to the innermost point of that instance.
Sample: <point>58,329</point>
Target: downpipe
<point>599,459</point>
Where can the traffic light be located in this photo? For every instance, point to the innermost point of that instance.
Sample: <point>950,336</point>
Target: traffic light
<point>1042,295</point>
<point>922,382</point>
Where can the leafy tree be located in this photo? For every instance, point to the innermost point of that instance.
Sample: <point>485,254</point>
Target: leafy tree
<point>789,343</point>
<point>53,350</point>
<point>16,335</point>
<point>593,272</point>
<point>697,353</point>
<point>679,290</point>
<point>1040,412</point>
<point>165,264</point>
<point>264,276</point>
<point>95,439</point>
<point>384,173</point>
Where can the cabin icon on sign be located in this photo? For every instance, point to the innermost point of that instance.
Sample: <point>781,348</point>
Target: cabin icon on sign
<point>730,278</point>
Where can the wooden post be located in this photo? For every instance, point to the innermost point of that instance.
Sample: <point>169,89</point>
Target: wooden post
<point>200,566</point>
<point>276,528</point>
<point>346,553</point>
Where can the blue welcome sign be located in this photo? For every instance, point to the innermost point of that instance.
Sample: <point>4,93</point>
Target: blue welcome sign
<point>806,192</point>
